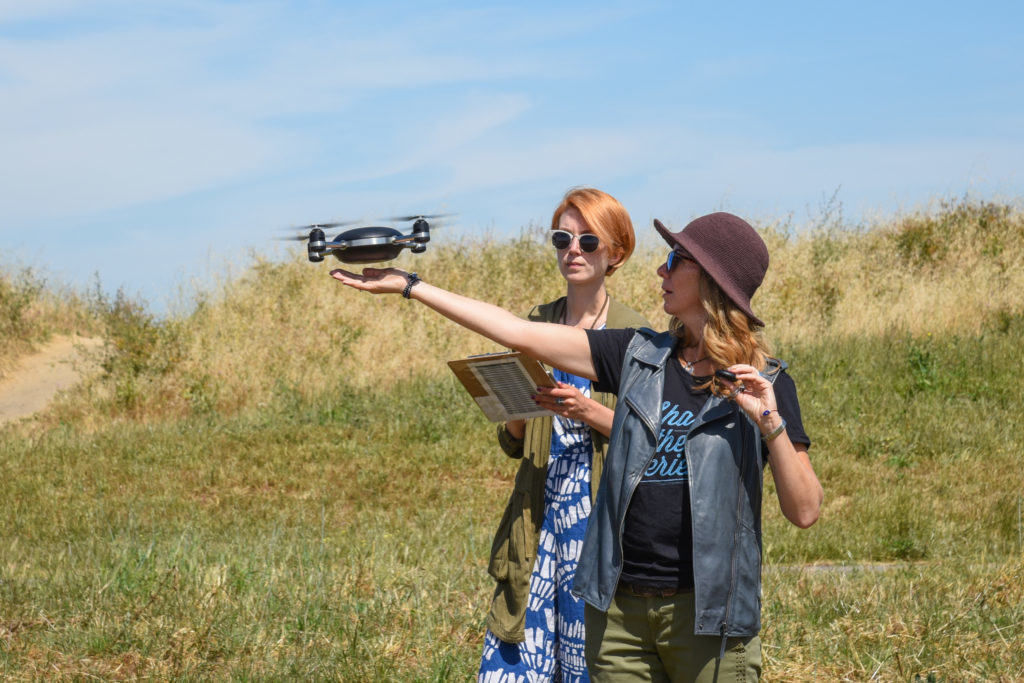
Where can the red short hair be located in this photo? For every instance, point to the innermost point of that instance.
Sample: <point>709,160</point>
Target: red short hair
<point>606,217</point>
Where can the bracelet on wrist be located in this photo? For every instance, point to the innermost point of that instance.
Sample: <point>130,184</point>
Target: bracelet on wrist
<point>413,279</point>
<point>775,432</point>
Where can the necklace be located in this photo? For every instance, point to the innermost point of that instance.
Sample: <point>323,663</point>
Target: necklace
<point>596,318</point>
<point>688,364</point>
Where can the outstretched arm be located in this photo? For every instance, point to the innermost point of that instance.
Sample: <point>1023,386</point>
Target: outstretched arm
<point>561,346</point>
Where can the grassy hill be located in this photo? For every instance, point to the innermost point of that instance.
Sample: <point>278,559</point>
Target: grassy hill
<point>287,482</point>
<point>32,310</point>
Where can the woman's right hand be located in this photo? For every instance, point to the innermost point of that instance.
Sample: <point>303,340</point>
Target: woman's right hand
<point>568,401</point>
<point>374,280</point>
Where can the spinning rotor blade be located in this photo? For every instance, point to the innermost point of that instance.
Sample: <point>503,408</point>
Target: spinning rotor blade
<point>322,226</point>
<point>301,233</point>
<point>335,224</point>
<point>425,216</point>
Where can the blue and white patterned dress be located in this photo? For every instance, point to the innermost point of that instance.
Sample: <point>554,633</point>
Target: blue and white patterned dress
<point>553,649</point>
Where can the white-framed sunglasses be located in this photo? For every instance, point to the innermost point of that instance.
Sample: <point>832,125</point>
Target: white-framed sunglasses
<point>589,242</point>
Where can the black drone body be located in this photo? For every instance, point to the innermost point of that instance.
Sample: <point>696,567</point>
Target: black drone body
<point>368,244</point>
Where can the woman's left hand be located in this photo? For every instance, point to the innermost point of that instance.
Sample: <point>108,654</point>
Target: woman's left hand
<point>565,400</point>
<point>754,394</point>
<point>797,486</point>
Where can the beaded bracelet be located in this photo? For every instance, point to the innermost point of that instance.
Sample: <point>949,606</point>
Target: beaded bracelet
<point>413,279</point>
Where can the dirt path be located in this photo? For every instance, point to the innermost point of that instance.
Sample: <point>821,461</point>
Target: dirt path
<point>37,378</point>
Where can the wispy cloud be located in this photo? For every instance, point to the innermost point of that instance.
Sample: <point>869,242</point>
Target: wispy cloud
<point>144,111</point>
<point>216,120</point>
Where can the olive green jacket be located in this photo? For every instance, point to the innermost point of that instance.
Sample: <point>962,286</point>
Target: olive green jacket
<point>515,544</point>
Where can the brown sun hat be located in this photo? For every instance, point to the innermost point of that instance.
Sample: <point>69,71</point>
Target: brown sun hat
<point>729,250</point>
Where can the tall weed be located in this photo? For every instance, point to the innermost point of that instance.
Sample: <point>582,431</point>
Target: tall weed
<point>139,350</point>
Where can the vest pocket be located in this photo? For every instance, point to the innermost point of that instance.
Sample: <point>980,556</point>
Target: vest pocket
<point>519,549</point>
<point>498,565</point>
<point>510,544</point>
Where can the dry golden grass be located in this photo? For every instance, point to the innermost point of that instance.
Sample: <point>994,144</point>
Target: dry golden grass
<point>287,326</point>
<point>946,272</point>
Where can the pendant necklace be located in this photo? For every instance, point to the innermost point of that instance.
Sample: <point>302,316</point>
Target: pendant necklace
<point>688,364</point>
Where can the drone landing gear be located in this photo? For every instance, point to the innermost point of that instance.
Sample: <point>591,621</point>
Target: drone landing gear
<point>317,245</point>
<point>420,236</point>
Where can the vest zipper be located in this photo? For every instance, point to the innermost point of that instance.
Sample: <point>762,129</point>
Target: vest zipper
<point>636,481</point>
<point>730,598</point>
<point>643,417</point>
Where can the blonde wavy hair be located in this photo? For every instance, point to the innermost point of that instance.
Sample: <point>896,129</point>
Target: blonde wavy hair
<point>730,336</point>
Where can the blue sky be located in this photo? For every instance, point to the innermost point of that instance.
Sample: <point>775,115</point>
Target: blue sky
<point>155,142</point>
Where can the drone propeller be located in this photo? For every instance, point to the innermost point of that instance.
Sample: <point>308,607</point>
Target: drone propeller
<point>298,237</point>
<point>334,224</point>
<point>417,216</point>
<point>300,234</point>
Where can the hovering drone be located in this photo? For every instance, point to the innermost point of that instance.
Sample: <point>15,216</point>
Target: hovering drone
<point>367,244</point>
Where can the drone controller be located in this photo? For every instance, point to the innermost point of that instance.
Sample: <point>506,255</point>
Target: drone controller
<point>368,244</point>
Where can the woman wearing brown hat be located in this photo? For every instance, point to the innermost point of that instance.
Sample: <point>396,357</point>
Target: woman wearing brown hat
<point>670,566</point>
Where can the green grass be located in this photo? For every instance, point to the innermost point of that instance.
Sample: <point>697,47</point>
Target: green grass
<point>242,495</point>
<point>346,536</point>
<point>315,542</point>
<point>954,620</point>
<point>920,444</point>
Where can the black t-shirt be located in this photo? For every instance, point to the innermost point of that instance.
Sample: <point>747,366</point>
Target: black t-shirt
<point>657,537</point>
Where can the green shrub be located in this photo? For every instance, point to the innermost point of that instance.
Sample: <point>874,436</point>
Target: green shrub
<point>17,296</point>
<point>138,348</point>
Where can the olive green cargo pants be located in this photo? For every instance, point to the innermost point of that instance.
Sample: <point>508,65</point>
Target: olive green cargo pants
<point>651,639</point>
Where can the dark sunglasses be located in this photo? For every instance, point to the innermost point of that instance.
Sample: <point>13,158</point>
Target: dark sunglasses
<point>589,242</point>
<point>674,257</point>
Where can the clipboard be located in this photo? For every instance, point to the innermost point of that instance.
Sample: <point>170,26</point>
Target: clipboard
<point>501,384</point>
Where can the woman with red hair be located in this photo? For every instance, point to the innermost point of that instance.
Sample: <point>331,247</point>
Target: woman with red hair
<point>535,627</point>
<point>670,568</point>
